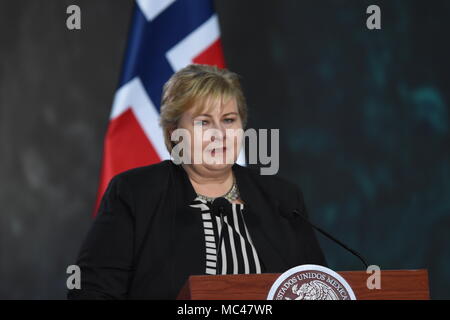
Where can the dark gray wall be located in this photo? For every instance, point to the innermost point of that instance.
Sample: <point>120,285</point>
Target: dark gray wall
<point>364,119</point>
<point>56,89</point>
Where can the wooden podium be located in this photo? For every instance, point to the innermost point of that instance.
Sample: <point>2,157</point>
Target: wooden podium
<point>395,285</point>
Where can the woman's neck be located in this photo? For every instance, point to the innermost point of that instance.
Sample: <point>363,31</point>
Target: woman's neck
<point>209,183</point>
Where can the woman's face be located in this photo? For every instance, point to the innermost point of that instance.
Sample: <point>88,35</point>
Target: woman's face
<point>216,134</point>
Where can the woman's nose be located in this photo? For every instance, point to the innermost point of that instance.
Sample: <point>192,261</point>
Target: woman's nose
<point>220,130</point>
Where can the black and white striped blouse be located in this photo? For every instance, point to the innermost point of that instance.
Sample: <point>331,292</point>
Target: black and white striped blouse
<point>238,254</point>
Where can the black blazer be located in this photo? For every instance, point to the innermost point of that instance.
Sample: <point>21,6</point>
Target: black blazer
<point>146,240</point>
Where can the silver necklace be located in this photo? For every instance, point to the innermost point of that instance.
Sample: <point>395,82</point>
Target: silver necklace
<point>231,195</point>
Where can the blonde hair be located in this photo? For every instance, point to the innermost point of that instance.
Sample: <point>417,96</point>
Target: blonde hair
<point>192,85</point>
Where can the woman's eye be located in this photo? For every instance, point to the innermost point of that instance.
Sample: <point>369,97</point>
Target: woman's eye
<point>201,122</point>
<point>229,120</point>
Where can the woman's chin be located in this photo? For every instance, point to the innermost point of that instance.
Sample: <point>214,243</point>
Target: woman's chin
<point>217,166</point>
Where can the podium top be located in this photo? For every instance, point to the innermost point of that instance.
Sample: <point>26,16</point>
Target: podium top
<point>395,285</point>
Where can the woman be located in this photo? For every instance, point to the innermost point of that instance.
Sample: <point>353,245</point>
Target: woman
<point>159,224</point>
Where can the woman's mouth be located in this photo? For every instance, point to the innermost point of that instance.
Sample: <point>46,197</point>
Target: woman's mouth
<point>218,150</point>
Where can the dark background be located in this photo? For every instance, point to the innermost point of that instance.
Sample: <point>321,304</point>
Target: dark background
<point>363,118</point>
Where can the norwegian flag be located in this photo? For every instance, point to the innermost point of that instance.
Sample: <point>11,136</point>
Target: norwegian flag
<point>165,36</point>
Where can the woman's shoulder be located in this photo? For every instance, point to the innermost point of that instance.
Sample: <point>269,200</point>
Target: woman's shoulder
<point>276,189</point>
<point>275,183</point>
<point>145,175</point>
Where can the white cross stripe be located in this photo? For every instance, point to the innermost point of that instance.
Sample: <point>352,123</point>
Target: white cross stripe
<point>184,52</point>
<point>152,8</point>
<point>133,95</point>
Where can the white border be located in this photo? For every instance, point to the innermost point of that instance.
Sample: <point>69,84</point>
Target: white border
<point>308,267</point>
